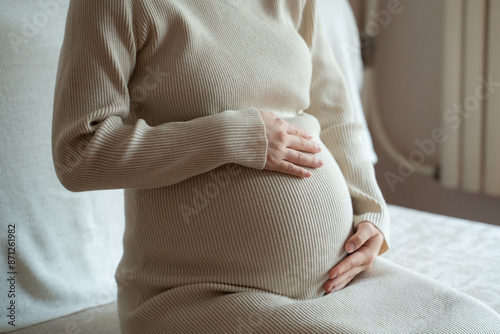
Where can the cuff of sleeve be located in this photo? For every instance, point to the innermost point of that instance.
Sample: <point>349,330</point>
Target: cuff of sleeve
<point>245,140</point>
<point>381,221</point>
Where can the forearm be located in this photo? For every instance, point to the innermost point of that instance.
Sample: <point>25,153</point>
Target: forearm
<point>113,155</point>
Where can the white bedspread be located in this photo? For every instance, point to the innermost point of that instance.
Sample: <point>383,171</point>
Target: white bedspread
<point>461,253</point>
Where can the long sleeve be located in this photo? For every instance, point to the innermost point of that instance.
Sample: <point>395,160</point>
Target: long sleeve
<point>341,31</point>
<point>341,134</point>
<point>94,144</point>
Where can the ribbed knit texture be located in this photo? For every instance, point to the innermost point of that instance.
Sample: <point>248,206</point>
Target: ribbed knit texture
<point>161,98</point>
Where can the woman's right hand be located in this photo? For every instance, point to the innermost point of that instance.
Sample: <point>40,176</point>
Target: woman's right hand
<point>286,146</point>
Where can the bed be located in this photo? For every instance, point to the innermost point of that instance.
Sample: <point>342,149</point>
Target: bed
<point>460,253</point>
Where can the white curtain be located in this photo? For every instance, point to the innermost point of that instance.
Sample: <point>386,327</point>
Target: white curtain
<point>470,158</point>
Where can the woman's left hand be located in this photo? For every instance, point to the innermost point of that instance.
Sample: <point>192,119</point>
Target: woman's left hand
<point>363,247</point>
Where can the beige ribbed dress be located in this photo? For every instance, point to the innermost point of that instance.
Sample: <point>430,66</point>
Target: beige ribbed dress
<point>161,98</point>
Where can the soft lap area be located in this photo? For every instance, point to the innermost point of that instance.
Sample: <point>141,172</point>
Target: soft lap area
<point>422,242</point>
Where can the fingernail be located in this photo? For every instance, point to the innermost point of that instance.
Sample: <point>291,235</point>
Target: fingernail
<point>320,162</point>
<point>310,135</point>
<point>350,247</point>
<point>318,146</point>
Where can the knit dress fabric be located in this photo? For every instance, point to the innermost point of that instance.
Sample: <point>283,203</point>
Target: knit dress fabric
<point>162,98</point>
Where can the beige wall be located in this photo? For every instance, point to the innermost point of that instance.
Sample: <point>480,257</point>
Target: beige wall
<point>408,61</point>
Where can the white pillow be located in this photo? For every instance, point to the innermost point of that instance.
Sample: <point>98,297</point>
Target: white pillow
<point>67,244</point>
<point>339,25</point>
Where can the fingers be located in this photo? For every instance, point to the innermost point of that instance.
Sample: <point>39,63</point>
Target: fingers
<point>343,280</point>
<point>346,270</point>
<point>361,260</point>
<point>289,168</point>
<point>351,261</point>
<point>303,159</point>
<point>289,147</point>
<point>302,144</point>
<point>364,232</point>
<point>289,162</point>
<point>295,130</point>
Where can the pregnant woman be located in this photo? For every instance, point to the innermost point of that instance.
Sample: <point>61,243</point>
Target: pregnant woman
<point>228,126</point>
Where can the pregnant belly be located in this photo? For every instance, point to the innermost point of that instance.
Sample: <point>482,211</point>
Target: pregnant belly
<point>255,228</point>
